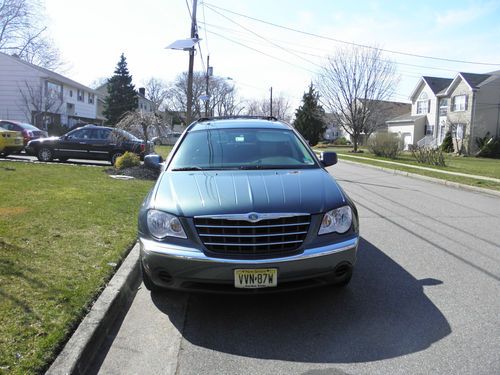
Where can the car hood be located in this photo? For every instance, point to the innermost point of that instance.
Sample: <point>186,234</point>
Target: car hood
<point>228,192</point>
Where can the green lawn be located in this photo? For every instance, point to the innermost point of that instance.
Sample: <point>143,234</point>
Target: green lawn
<point>470,165</point>
<point>63,230</point>
<point>163,150</point>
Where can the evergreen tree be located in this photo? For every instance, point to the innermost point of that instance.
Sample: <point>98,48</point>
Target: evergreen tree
<point>447,145</point>
<point>121,94</point>
<point>309,117</point>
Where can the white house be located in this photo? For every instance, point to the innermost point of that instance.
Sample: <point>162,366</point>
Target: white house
<point>468,105</point>
<point>29,93</point>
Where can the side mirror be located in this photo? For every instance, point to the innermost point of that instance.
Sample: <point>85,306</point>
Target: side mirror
<point>153,161</point>
<point>328,158</point>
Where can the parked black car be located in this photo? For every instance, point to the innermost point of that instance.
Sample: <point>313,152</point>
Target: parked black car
<point>88,142</point>
<point>28,131</point>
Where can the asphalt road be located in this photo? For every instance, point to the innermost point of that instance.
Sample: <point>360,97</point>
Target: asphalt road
<point>425,299</point>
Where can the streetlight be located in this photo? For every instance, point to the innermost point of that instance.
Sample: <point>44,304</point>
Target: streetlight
<point>187,45</point>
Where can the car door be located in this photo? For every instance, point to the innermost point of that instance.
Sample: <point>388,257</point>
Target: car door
<point>100,145</point>
<point>74,145</point>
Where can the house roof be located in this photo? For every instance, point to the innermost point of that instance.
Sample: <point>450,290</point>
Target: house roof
<point>50,74</point>
<point>473,79</point>
<point>437,84</point>
<point>407,117</point>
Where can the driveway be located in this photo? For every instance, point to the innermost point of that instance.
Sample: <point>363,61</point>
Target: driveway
<point>424,299</point>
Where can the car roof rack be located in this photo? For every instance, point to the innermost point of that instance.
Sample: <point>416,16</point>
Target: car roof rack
<point>205,119</point>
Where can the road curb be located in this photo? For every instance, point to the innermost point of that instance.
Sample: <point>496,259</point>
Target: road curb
<point>456,185</point>
<point>82,347</point>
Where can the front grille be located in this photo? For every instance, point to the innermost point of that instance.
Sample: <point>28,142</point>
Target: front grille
<point>242,239</point>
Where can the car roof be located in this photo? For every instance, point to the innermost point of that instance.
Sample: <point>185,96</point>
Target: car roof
<point>238,123</point>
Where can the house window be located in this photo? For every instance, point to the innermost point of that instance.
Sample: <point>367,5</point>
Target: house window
<point>91,98</point>
<point>443,107</point>
<point>429,129</point>
<point>80,95</point>
<point>460,103</point>
<point>422,106</point>
<point>70,93</point>
<point>54,90</point>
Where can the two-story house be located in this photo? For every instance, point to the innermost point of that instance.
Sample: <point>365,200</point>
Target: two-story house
<point>468,105</point>
<point>29,93</point>
<point>143,103</point>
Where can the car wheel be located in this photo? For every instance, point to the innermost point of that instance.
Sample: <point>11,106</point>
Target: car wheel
<point>148,283</point>
<point>115,156</point>
<point>45,154</point>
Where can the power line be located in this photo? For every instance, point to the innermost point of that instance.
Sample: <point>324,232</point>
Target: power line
<point>189,10</point>
<point>206,36</point>
<point>211,6</point>
<point>318,49</point>
<point>263,38</point>
<point>262,53</point>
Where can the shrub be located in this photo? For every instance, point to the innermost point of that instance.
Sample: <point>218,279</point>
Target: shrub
<point>430,156</point>
<point>340,141</point>
<point>127,160</point>
<point>447,145</point>
<point>490,149</point>
<point>385,144</point>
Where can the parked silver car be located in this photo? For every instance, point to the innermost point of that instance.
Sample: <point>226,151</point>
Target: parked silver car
<point>243,205</point>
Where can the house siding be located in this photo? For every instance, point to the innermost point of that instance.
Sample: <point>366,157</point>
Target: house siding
<point>487,110</point>
<point>14,75</point>
<point>431,115</point>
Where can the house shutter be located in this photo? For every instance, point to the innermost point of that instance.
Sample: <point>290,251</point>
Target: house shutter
<point>466,102</point>
<point>428,106</point>
<point>452,104</point>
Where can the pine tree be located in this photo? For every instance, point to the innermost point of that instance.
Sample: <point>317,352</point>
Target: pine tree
<point>121,94</point>
<point>447,145</point>
<point>309,117</point>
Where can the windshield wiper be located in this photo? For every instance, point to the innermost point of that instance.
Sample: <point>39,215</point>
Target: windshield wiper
<point>193,168</point>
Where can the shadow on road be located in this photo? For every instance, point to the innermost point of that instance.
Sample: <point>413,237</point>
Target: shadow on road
<point>384,313</point>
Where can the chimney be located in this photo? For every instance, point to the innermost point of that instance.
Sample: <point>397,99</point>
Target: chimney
<point>142,91</point>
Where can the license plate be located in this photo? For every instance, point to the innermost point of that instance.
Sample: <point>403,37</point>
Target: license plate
<point>256,278</point>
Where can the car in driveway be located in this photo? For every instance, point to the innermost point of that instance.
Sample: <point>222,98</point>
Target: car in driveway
<point>244,205</point>
<point>28,131</point>
<point>87,142</point>
<point>168,140</point>
<point>10,142</point>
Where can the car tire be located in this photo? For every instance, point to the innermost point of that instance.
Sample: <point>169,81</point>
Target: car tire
<point>148,283</point>
<point>115,156</point>
<point>45,154</point>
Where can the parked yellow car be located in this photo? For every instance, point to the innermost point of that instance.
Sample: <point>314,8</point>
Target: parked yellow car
<point>10,142</point>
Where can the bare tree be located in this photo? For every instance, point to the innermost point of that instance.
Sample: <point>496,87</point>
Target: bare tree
<point>157,92</point>
<point>22,33</point>
<point>458,126</point>
<point>39,104</point>
<point>144,125</point>
<point>262,107</point>
<point>223,96</point>
<point>352,84</point>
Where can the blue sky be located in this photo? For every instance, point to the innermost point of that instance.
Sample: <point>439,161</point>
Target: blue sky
<point>92,34</point>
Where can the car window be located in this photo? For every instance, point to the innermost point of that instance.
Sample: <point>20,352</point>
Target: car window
<point>81,134</point>
<point>29,127</point>
<point>242,148</point>
<point>100,134</point>
<point>8,126</point>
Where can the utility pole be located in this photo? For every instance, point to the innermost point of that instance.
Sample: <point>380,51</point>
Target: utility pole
<point>194,35</point>
<point>207,92</point>
<point>271,102</point>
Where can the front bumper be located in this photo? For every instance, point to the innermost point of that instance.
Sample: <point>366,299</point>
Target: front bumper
<point>185,268</point>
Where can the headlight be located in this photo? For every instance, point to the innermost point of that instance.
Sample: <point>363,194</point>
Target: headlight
<point>338,220</point>
<point>161,224</point>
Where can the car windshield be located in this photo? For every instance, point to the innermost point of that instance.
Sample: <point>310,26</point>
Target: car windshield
<point>242,149</point>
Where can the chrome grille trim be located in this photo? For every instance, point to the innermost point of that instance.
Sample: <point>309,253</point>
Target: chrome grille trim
<point>238,236</point>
